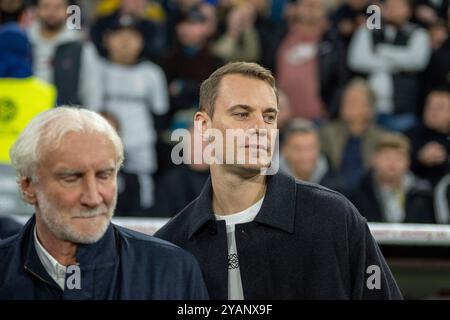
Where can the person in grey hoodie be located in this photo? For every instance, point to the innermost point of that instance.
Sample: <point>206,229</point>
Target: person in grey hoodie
<point>61,56</point>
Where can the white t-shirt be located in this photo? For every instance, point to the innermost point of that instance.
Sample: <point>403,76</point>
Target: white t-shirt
<point>235,291</point>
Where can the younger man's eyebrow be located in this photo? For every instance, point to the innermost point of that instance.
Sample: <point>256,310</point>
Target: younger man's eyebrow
<point>240,106</point>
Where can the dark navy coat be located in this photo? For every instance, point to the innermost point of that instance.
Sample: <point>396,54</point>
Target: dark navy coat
<point>8,227</point>
<point>123,264</point>
<point>306,242</point>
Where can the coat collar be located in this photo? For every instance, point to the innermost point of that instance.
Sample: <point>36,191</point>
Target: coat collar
<point>90,256</point>
<point>278,208</point>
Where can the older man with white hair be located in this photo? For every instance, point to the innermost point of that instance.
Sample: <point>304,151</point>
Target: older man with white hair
<point>67,161</point>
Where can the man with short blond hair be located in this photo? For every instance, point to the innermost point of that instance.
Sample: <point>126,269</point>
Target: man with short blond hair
<point>258,234</point>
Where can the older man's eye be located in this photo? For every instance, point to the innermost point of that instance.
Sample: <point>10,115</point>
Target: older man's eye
<point>70,179</point>
<point>104,176</point>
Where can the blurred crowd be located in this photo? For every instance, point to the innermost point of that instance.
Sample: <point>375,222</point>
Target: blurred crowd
<point>364,111</point>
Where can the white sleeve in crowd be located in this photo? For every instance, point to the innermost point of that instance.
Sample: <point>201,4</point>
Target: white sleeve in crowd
<point>158,93</point>
<point>413,57</point>
<point>90,78</point>
<point>361,55</point>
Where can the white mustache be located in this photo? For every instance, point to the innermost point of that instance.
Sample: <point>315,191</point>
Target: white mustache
<point>92,213</point>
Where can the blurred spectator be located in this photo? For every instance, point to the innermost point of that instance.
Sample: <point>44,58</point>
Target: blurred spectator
<point>428,12</point>
<point>349,16</point>
<point>134,92</point>
<point>437,74</point>
<point>62,57</point>
<point>240,42</point>
<point>22,95</point>
<point>270,33</point>
<point>191,61</point>
<point>390,192</point>
<point>392,58</point>
<point>430,139</point>
<point>15,11</point>
<point>152,10</point>
<point>153,32</point>
<point>438,32</point>
<point>175,9</point>
<point>128,191</point>
<point>442,200</point>
<point>284,111</point>
<point>348,142</point>
<point>261,30</point>
<point>183,183</point>
<point>8,227</point>
<point>301,157</point>
<point>311,63</point>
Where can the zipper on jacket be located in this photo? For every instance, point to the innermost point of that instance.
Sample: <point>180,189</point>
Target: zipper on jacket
<point>39,277</point>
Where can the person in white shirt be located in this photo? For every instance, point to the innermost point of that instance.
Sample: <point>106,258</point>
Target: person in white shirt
<point>392,58</point>
<point>63,57</point>
<point>134,91</point>
<point>259,234</point>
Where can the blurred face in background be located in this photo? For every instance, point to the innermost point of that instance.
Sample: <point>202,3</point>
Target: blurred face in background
<point>133,7</point>
<point>437,111</point>
<point>301,150</point>
<point>52,13</point>
<point>284,115</point>
<point>10,5</point>
<point>356,107</point>
<point>193,33</point>
<point>124,46</point>
<point>396,12</point>
<point>310,12</point>
<point>390,165</point>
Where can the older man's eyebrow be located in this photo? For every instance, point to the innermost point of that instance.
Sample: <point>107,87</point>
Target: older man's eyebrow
<point>107,170</point>
<point>68,172</point>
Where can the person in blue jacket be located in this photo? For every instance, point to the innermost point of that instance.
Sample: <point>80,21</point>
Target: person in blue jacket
<point>67,161</point>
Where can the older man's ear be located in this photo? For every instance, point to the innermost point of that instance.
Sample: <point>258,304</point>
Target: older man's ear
<point>28,192</point>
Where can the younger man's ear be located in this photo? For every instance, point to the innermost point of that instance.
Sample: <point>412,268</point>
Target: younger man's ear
<point>202,122</point>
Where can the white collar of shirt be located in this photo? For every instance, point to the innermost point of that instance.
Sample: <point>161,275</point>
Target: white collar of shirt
<point>244,216</point>
<point>56,270</point>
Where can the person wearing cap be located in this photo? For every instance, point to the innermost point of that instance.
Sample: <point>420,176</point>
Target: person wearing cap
<point>191,61</point>
<point>135,92</point>
<point>152,26</point>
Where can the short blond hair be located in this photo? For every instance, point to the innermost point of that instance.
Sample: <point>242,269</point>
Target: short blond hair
<point>210,87</point>
<point>392,140</point>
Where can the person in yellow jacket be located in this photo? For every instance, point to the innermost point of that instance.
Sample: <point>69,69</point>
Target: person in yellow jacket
<point>22,95</point>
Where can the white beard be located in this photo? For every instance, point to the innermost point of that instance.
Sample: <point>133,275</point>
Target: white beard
<point>53,218</point>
